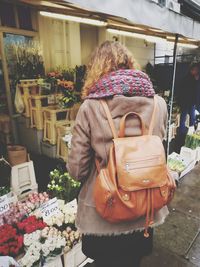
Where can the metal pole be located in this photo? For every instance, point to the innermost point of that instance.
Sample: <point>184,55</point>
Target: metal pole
<point>172,93</point>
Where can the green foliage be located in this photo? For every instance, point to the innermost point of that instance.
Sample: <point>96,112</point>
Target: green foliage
<point>68,100</point>
<point>4,190</point>
<point>192,141</point>
<point>63,186</point>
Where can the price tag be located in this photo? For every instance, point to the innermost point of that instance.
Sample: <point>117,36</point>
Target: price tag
<point>4,204</point>
<point>50,208</point>
<point>72,204</point>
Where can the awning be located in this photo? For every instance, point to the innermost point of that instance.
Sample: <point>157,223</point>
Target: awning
<point>146,13</point>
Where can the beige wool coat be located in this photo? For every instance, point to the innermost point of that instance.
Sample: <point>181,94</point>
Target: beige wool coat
<point>92,138</point>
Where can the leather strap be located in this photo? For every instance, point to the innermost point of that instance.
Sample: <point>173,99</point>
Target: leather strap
<point>109,117</point>
<point>97,165</point>
<point>122,123</point>
<point>152,123</point>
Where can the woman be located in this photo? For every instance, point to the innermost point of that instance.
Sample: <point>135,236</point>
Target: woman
<point>111,75</point>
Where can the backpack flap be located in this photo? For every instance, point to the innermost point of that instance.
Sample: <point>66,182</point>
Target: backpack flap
<point>140,162</point>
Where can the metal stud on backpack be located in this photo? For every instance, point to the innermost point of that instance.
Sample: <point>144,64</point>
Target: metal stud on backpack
<point>136,181</point>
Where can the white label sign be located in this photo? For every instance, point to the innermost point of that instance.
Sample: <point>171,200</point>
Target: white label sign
<point>4,204</point>
<point>51,99</point>
<point>72,204</point>
<point>50,208</point>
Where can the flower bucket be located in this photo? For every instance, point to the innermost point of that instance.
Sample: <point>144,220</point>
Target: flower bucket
<point>16,154</point>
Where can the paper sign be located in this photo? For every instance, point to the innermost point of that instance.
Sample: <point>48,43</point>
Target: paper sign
<point>50,208</point>
<point>51,99</point>
<point>72,204</point>
<point>4,204</point>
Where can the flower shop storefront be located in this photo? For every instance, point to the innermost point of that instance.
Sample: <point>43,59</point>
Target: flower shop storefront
<point>43,57</point>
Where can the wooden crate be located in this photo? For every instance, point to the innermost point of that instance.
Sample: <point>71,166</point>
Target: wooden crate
<point>27,88</point>
<point>62,129</point>
<point>52,115</point>
<point>37,103</point>
<point>73,112</point>
<point>23,179</point>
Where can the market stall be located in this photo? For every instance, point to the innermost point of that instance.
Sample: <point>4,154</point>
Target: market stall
<point>38,229</point>
<point>43,74</point>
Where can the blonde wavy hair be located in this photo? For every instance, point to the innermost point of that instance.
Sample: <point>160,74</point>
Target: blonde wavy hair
<point>109,56</point>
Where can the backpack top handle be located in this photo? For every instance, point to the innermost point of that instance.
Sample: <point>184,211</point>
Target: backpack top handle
<point>123,120</point>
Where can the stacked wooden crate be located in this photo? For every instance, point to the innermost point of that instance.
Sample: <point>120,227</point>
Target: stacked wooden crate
<point>63,128</point>
<point>47,117</point>
<point>28,88</point>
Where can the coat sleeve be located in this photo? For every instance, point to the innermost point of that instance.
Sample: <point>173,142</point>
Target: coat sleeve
<point>81,154</point>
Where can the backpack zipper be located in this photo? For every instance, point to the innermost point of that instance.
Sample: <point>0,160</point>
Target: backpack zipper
<point>131,165</point>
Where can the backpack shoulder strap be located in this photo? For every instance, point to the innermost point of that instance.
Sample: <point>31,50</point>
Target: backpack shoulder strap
<point>109,117</point>
<point>152,123</point>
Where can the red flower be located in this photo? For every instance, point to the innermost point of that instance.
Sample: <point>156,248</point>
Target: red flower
<point>10,242</point>
<point>31,224</point>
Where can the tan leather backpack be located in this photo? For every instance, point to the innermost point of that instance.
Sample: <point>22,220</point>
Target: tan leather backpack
<point>136,181</point>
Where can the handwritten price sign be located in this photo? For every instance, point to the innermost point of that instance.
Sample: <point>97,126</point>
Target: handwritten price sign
<point>4,204</point>
<point>50,208</point>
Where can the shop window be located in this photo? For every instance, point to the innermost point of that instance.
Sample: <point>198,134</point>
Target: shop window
<point>7,14</point>
<point>24,17</point>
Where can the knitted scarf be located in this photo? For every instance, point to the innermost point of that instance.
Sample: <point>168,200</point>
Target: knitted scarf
<point>126,82</point>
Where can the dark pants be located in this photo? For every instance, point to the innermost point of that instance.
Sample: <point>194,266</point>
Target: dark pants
<point>118,251</point>
<point>184,113</point>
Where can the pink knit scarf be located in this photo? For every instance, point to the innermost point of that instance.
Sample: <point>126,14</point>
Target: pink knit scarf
<point>126,82</point>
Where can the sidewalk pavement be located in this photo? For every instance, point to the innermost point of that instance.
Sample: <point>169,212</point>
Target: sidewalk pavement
<point>173,238</point>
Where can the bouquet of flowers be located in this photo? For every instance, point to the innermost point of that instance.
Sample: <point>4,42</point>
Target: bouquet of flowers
<point>66,84</point>
<point>34,201</point>
<point>32,256</point>
<point>72,237</point>
<point>69,98</point>
<point>13,215</point>
<point>61,220</point>
<point>20,210</point>
<point>63,186</point>
<point>31,224</point>
<point>54,242</point>
<point>52,78</point>
<point>41,245</point>
<point>11,243</point>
